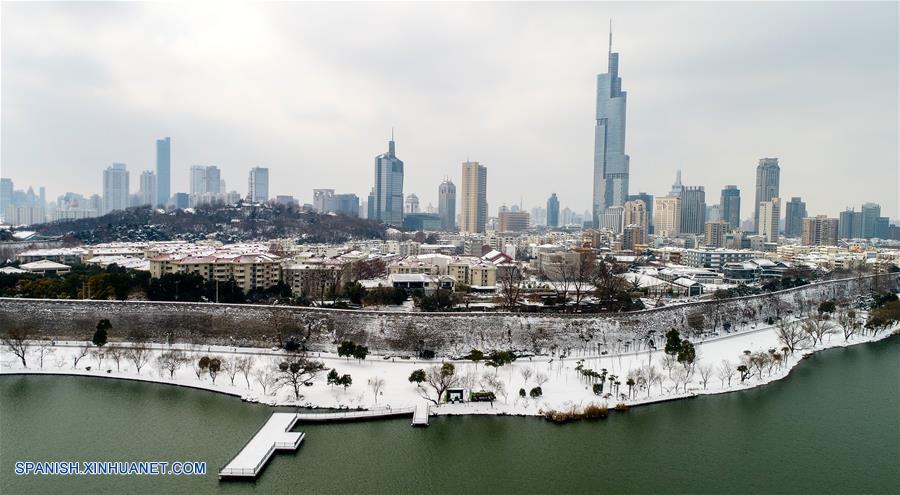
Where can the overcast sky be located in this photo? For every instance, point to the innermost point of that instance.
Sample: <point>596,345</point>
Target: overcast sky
<point>312,90</point>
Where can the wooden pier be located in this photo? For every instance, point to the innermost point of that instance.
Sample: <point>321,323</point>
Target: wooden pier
<point>420,416</point>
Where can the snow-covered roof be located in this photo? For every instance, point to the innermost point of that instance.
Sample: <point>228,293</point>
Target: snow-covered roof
<point>11,270</point>
<point>43,265</point>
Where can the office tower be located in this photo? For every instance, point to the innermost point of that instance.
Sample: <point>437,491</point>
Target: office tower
<point>677,187</point>
<point>6,194</point>
<point>447,205</point>
<point>553,211</point>
<point>633,235</point>
<point>370,205</point>
<point>714,233</point>
<point>693,210</point>
<point>610,161</point>
<point>147,192</point>
<point>198,179</point>
<point>346,204</point>
<point>115,187</point>
<point>635,213</point>
<point>794,213</point>
<point>850,225</point>
<point>611,219</point>
<point>323,200</point>
<point>411,204</point>
<point>163,171</point>
<point>769,218</point>
<point>870,213</point>
<point>648,207</point>
<point>667,215</point>
<point>258,185</point>
<point>882,228</point>
<point>389,187</point>
<point>730,207</point>
<point>514,221</point>
<point>713,213</point>
<point>473,200</point>
<point>214,182</point>
<point>767,182</point>
<point>820,231</point>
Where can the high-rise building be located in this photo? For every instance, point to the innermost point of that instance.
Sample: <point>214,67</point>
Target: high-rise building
<point>258,185</point>
<point>198,179</point>
<point>147,192</point>
<point>633,235</point>
<point>388,205</point>
<point>870,214</point>
<point>115,187</point>
<point>730,206</point>
<point>6,193</point>
<point>769,219</point>
<point>447,205</point>
<point>163,171</point>
<point>323,200</point>
<point>514,221</point>
<point>714,233</point>
<point>693,210</point>
<point>820,231</point>
<point>667,215</point>
<point>648,206</point>
<point>850,225</point>
<point>767,183</point>
<point>611,219</point>
<point>553,211</point>
<point>370,205</point>
<point>346,204</point>
<point>206,179</point>
<point>473,201</point>
<point>794,213</point>
<point>214,182</point>
<point>412,203</point>
<point>611,166</point>
<point>677,187</point>
<point>635,213</point>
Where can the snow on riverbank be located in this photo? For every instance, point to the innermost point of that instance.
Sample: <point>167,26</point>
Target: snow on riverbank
<point>563,385</point>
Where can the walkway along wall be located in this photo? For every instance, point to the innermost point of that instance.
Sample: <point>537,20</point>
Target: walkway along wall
<point>406,333</point>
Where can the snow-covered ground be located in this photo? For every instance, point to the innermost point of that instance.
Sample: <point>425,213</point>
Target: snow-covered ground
<point>563,385</point>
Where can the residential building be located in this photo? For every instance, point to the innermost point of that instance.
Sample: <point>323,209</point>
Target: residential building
<point>514,221</point>
<point>633,235</point>
<point>667,216</point>
<point>713,258</point>
<point>769,219</point>
<point>635,213</point>
<point>714,234</point>
<point>147,194</point>
<point>767,185</point>
<point>115,187</point>
<point>648,207</point>
<point>611,166</point>
<point>323,200</point>
<point>611,219</point>
<point>388,192</point>
<point>258,185</point>
<point>473,203</point>
<point>820,231</point>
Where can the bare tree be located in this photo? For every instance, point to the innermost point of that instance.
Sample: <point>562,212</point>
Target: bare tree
<point>846,318</point>
<point>705,372</point>
<point>680,377</point>
<point>82,351</point>
<point>668,362</point>
<point>265,377</point>
<point>511,279</point>
<point>15,340</point>
<point>296,372</point>
<point>44,349</point>
<point>115,353</point>
<point>98,355</point>
<point>725,372</point>
<point>139,354</point>
<point>817,327</point>
<point>790,334</point>
<point>376,384</point>
<point>230,366</point>
<point>541,379</point>
<point>245,365</point>
<point>652,376</point>
<point>494,384</point>
<point>526,374</point>
<point>170,361</point>
<point>440,379</point>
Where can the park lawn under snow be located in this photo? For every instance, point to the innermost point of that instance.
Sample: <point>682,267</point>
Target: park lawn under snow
<point>563,388</point>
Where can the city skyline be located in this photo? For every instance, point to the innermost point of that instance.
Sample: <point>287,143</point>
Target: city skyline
<point>732,140</point>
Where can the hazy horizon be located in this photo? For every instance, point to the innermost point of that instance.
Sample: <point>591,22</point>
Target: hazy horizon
<point>311,91</point>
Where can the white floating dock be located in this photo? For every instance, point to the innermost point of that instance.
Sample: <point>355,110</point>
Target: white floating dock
<point>420,416</point>
<point>354,415</point>
<point>274,435</point>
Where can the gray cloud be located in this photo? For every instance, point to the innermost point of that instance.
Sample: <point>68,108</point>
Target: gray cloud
<point>312,90</point>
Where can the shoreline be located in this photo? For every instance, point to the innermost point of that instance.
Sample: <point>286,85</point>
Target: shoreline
<point>465,409</point>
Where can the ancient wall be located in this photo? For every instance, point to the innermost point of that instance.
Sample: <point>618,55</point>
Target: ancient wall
<point>406,333</point>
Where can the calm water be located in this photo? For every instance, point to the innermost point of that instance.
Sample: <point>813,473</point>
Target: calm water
<point>832,427</point>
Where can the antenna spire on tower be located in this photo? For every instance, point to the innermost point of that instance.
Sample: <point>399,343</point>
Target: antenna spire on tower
<point>610,36</point>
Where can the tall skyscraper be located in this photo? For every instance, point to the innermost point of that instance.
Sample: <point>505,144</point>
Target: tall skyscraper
<point>411,204</point>
<point>730,207</point>
<point>147,194</point>
<point>693,210</point>
<point>610,161</point>
<point>769,219</point>
<point>163,171</point>
<point>258,185</point>
<point>767,182</point>
<point>648,206</point>
<point>870,214</point>
<point>667,215</point>
<point>677,187</point>
<point>553,211</point>
<point>447,205</point>
<point>794,213</point>
<point>388,206</point>
<point>850,225</point>
<point>198,179</point>
<point>115,187</point>
<point>635,213</point>
<point>473,203</point>
<point>6,193</point>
